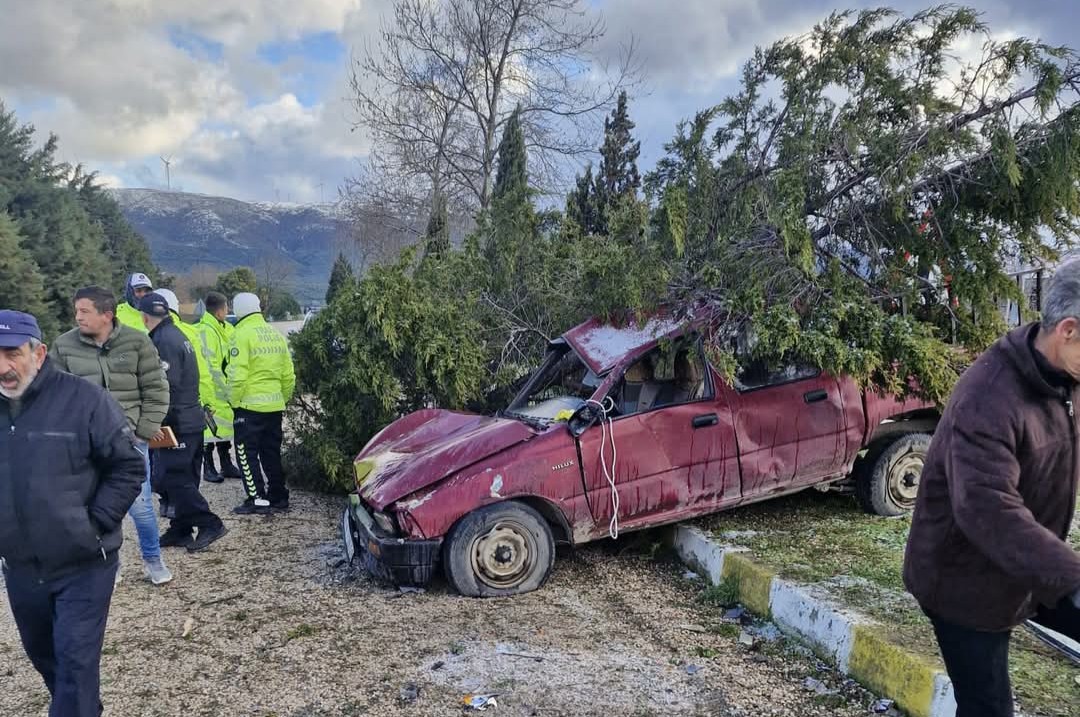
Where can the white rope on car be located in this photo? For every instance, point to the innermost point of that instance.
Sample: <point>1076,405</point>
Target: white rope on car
<point>607,433</point>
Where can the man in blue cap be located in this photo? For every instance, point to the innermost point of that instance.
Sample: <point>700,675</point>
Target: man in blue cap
<point>69,472</point>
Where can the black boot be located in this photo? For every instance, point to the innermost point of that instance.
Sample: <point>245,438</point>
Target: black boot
<point>210,473</point>
<point>228,470</point>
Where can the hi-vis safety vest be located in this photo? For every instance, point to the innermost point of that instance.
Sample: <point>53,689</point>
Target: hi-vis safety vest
<point>214,347</point>
<point>260,368</point>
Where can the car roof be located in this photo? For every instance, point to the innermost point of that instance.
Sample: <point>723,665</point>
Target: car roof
<point>603,344</point>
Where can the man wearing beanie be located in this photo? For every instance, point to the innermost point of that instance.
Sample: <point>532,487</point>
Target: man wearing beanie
<point>260,382</point>
<point>177,467</point>
<point>127,313</point>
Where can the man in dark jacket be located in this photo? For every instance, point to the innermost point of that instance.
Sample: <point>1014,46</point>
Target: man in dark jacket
<point>124,362</point>
<point>179,468</point>
<point>987,548</point>
<point>69,472</point>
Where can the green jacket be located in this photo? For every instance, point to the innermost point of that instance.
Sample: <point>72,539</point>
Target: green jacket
<point>127,365</point>
<point>260,370</point>
<point>214,338</point>
<point>131,317</point>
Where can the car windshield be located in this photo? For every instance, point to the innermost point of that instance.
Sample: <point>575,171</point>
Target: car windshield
<point>562,383</point>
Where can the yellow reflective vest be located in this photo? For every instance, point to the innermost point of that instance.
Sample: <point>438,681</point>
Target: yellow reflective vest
<point>128,315</point>
<point>214,340</point>
<point>260,368</point>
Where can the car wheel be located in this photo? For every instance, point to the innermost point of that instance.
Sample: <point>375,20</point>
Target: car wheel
<point>499,550</point>
<point>890,484</point>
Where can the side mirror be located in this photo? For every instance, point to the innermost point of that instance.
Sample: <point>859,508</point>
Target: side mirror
<point>583,419</point>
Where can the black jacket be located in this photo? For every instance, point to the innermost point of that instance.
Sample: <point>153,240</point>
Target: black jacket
<point>185,414</point>
<point>69,471</point>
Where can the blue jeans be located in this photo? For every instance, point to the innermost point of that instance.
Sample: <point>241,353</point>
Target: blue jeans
<point>143,514</point>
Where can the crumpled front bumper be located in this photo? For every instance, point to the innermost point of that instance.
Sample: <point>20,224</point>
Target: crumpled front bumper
<point>401,561</point>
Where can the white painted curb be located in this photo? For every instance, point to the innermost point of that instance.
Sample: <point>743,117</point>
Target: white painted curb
<point>821,623</point>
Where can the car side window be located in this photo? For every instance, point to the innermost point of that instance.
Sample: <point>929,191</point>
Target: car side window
<point>760,374</point>
<point>663,377</point>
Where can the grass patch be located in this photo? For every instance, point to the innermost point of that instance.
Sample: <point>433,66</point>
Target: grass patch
<point>826,538</point>
<point>727,629</point>
<point>726,594</point>
<point>301,630</point>
<point>457,648</point>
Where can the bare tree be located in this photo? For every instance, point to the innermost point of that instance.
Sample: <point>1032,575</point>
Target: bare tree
<point>447,74</point>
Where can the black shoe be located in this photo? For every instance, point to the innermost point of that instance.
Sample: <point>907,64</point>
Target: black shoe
<point>279,506</point>
<point>206,537</point>
<point>175,539</point>
<point>253,506</point>
<point>212,476</point>
<point>230,471</point>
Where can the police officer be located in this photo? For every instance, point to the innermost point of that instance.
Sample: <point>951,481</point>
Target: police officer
<point>215,336</point>
<point>206,382</point>
<point>127,313</point>
<point>178,466</point>
<point>260,382</point>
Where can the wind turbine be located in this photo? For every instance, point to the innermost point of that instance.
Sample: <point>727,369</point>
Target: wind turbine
<point>168,177</point>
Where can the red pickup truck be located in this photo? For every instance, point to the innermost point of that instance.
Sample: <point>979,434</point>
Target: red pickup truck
<point>621,428</point>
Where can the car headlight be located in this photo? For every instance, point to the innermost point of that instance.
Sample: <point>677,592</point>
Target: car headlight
<point>384,521</point>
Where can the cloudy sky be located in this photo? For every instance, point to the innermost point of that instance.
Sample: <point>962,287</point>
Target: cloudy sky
<point>249,98</point>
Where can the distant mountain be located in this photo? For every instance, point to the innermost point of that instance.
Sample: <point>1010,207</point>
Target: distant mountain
<point>185,230</point>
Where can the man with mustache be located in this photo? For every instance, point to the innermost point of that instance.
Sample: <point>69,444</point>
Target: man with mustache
<point>69,471</point>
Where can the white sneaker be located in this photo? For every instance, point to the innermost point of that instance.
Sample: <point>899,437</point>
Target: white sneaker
<point>156,571</point>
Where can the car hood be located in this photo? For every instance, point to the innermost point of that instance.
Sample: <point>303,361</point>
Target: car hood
<point>425,447</point>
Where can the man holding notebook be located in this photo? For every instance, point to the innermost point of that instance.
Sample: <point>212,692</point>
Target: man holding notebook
<point>178,460</point>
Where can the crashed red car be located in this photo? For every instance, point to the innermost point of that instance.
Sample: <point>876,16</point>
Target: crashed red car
<point>620,429</point>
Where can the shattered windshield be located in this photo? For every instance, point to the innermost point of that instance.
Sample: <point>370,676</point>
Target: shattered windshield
<point>562,383</point>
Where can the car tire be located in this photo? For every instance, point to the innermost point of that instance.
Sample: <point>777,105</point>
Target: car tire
<point>890,481</point>
<point>499,550</point>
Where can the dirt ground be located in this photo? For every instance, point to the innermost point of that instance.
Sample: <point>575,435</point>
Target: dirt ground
<point>279,626</point>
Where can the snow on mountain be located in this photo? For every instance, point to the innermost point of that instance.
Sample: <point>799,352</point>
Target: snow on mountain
<point>185,230</point>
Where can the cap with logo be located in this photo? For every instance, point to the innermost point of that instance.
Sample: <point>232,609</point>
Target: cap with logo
<point>16,328</point>
<point>140,280</point>
<point>154,304</point>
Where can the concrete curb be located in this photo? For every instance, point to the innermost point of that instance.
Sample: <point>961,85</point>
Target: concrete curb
<point>851,642</point>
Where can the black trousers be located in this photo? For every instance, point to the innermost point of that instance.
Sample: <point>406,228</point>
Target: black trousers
<point>224,457</point>
<point>62,626</point>
<point>978,662</point>
<point>258,450</point>
<point>179,472</point>
<point>978,665</point>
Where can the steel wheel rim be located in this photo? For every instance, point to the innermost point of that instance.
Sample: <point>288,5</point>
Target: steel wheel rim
<point>504,556</point>
<point>905,475</point>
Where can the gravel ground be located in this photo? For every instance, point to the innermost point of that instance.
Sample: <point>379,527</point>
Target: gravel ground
<point>276,625</point>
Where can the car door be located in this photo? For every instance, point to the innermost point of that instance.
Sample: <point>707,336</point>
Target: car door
<point>673,456</point>
<point>791,425</point>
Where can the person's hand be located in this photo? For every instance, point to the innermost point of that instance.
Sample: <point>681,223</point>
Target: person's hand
<point>159,436</point>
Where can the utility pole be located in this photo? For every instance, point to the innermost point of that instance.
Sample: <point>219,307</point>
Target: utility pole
<point>168,176</point>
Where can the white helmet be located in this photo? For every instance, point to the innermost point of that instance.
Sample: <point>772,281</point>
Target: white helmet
<point>170,299</point>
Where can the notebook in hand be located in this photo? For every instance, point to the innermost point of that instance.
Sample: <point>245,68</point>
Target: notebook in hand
<point>168,441</point>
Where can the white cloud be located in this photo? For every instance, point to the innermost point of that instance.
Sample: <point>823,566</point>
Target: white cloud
<point>109,78</point>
